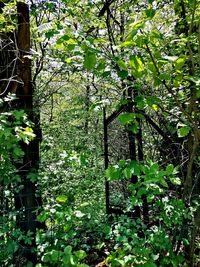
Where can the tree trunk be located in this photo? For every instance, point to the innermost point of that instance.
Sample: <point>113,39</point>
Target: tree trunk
<point>26,201</point>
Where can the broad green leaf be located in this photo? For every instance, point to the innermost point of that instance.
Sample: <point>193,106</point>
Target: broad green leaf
<point>122,163</point>
<point>127,173</point>
<point>113,173</point>
<point>80,254</point>
<point>90,60</point>
<point>33,177</point>
<point>157,81</point>
<point>126,118</point>
<point>170,169</point>
<point>134,127</point>
<point>18,152</point>
<point>149,264</point>
<point>43,216</point>
<point>175,180</point>
<point>179,63</point>
<point>137,65</point>
<point>46,257</point>
<point>127,44</point>
<point>122,65</point>
<point>183,131</point>
<point>68,250</point>
<point>152,100</point>
<point>62,39</point>
<point>150,198</point>
<point>62,199</point>
<point>155,107</point>
<point>51,33</point>
<point>134,29</point>
<point>140,102</point>
<point>122,74</point>
<point>29,132</point>
<point>151,67</point>
<point>138,25</point>
<point>134,167</point>
<point>55,255</point>
<point>154,168</point>
<point>12,246</point>
<point>73,260</point>
<point>150,13</point>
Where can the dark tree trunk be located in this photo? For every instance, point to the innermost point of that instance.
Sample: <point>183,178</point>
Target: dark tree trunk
<point>26,201</point>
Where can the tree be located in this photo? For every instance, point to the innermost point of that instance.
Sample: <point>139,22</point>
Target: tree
<point>135,63</point>
<point>18,81</point>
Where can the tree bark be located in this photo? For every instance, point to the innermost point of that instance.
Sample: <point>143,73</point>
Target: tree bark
<point>26,201</point>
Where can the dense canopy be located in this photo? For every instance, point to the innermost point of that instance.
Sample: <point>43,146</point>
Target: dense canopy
<point>100,133</point>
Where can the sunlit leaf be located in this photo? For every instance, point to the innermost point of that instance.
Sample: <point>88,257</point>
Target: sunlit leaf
<point>62,199</point>
<point>175,180</point>
<point>122,65</point>
<point>183,131</point>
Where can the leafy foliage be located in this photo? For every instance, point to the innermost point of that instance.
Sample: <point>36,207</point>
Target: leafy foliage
<point>136,59</point>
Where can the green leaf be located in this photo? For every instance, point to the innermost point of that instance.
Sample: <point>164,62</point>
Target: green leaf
<point>122,74</point>
<point>122,65</point>
<point>51,33</point>
<point>140,102</point>
<point>80,254</point>
<point>134,167</point>
<point>134,29</point>
<point>164,77</point>
<point>54,255</point>
<point>43,216</point>
<point>68,250</point>
<point>136,64</point>
<point>134,127</point>
<point>127,44</point>
<point>127,173</point>
<point>183,131</point>
<point>90,60</point>
<point>113,173</point>
<point>122,163</point>
<point>154,168</point>
<point>29,132</point>
<point>46,257</point>
<point>62,199</point>
<point>18,152</point>
<point>150,13</point>
<point>12,246</point>
<point>151,67</point>
<point>175,180</point>
<point>179,63</point>
<point>33,177</point>
<point>170,169</point>
<point>138,25</point>
<point>126,118</point>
